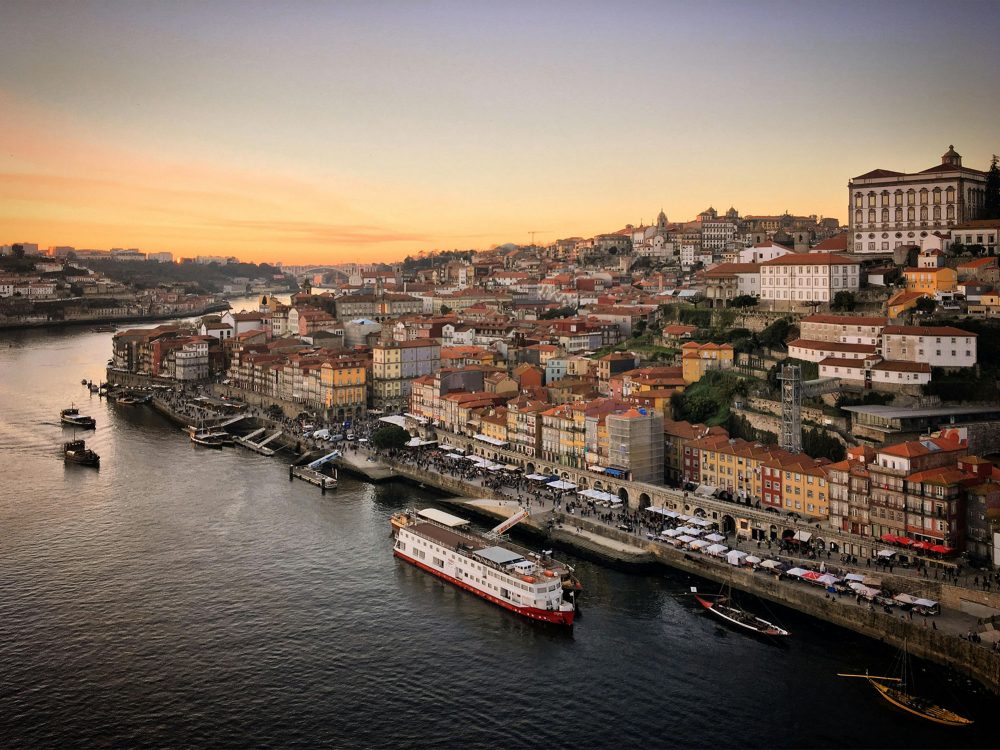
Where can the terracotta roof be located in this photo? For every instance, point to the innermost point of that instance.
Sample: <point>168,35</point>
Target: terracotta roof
<point>813,259</point>
<point>732,269</point>
<point>897,366</point>
<point>979,263</point>
<point>879,173</point>
<point>922,447</point>
<point>833,346</point>
<point>857,364</point>
<point>836,243</point>
<point>925,331</point>
<point>845,320</point>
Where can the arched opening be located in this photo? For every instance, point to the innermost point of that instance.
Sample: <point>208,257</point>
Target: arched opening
<point>529,467</point>
<point>728,525</point>
<point>820,544</point>
<point>623,495</point>
<point>597,484</point>
<point>644,501</point>
<point>774,532</point>
<point>700,512</point>
<point>565,475</point>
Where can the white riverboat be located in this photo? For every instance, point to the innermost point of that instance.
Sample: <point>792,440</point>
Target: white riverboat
<point>531,584</point>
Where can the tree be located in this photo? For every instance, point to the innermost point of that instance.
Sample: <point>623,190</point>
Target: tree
<point>445,309</point>
<point>991,200</point>
<point>844,301</point>
<point>925,305</point>
<point>390,436</point>
<point>775,334</point>
<point>820,444</point>
<point>639,328</point>
<point>743,300</point>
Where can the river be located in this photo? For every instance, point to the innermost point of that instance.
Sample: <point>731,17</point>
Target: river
<point>187,597</point>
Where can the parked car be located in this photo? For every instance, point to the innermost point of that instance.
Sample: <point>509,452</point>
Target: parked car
<point>321,434</point>
<point>336,438</point>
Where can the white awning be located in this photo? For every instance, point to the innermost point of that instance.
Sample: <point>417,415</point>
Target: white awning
<point>562,484</point>
<point>598,495</point>
<point>802,536</point>
<point>670,532</point>
<point>686,539</point>
<point>797,572</point>
<point>394,419</point>
<point>703,522</point>
<point>418,443</point>
<point>717,549</point>
<point>751,559</point>
<point>697,544</point>
<point>770,564</point>
<point>441,517</point>
<point>454,455</point>
<point>491,440</point>
<point>886,552</point>
<point>538,477</point>
<point>416,417</point>
<point>925,603</point>
<point>446,447</point>
<point>715,538</point>
<point>595,467</point>
<point>855,577</point>
<point>828,579</point>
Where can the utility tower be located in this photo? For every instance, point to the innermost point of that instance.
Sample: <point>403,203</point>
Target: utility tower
<point>533,232</point>
<point>791,408</point>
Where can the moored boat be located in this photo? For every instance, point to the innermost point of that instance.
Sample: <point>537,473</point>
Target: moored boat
<point>74,418</point>
<point>898,695</point>
<point>729,613</point>
<point>210,439</point>
<point>76,451</point>
<point>487,565</point>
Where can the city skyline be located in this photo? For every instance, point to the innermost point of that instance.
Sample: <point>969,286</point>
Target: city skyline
<point>329,134</point>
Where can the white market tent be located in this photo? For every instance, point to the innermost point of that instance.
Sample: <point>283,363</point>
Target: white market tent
<point>446,447</point>
<point>751,559</point>
<point>715,538</point>
<point>697,544</point>
<point>599,495</point>
<point>797,572</point>
<point>857,577</point>
<point>717,549</point>
<point>828,580</point>
<point>670,533</point>
<point>539,477</point>
<point>562,484</point>
<point>886,552</point>
<point>703,522</point>
<point>865,591</point>
<point>686,539</point>
<point>735,557</point>
<point>770,564</point>
<point>454,455</point>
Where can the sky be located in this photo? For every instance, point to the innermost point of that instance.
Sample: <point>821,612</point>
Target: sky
<point>331,132</point>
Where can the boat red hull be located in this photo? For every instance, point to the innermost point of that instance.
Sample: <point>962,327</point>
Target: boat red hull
<point>542,615</point>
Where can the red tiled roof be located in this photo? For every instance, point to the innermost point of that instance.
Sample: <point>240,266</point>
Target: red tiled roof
<point>813,259</point>
<point>845,320</point>
<point>925,331</point>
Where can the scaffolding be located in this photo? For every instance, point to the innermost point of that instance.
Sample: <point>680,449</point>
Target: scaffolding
<point>791,408</point>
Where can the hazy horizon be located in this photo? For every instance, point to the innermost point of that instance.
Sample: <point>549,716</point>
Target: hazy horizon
<point>332,133</point>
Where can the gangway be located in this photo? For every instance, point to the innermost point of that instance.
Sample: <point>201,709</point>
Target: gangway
<point>498,531</point>
<point>261,447</point>
<point>267,440</point>
<point>255,433</point>
<point>320,462</point>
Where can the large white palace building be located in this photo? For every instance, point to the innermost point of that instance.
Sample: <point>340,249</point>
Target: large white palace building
<point>888,208</point>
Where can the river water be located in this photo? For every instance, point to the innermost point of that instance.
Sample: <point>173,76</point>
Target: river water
<point>180,596</point>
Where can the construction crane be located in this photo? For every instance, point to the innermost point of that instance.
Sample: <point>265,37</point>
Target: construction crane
<point>533,232</point>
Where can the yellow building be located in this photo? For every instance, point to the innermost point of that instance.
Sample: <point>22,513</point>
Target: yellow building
<point>343,386</point>
<point>931,280</point>
<point>900,302</point>
<point>494,424</point>
<point>697,359</point>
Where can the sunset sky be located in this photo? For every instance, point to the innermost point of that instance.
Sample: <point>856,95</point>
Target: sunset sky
<point>343,131</point>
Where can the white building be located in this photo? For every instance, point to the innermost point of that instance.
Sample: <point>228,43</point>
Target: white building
<point>937,346</point>
<point>191,361</point>
<point>888,208</point>
<point>808,277</point>
<point>845,329</point>
<point>762,251</point>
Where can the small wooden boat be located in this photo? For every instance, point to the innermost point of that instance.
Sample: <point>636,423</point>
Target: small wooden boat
<point>728,612</point>
<point>74,418</point>
<point>898,696</point>
<point>77,452</point>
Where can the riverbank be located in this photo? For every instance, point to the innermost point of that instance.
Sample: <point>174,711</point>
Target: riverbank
<point>6,324</point>
<point>940,643</point>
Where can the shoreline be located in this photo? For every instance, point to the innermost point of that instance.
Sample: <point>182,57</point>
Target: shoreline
<point>594,541</point>
<point>104,320</point>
